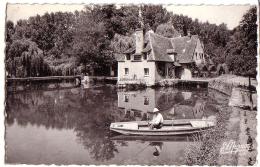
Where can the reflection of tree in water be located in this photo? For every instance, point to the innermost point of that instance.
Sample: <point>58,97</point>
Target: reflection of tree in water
<point>89,112</point>
<point>93,130</point>
<point>89,115</point>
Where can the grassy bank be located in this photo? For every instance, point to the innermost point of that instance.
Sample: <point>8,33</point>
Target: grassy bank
<point>232,124</point>
<point>206,149</point>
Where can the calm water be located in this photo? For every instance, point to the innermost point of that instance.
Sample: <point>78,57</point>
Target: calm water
<point>71,126</point>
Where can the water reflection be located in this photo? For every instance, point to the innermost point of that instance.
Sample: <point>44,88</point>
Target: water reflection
<point>86,113</point>
<point>157,148</point>
<point>173,103</point>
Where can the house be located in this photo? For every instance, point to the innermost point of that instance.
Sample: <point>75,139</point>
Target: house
<point>155,58</point>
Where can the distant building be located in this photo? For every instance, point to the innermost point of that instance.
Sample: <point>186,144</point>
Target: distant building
<point>156,58</point>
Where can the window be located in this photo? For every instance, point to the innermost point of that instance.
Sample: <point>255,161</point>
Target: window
<point>146,101</point>
<point>145,56</point>
<point>126,71</point>
<point>126,98</point>
<point>196,55</point>
<point>128,57</point>
<point>172,57</point>
<point>137,57</point>
<point>146,71</point>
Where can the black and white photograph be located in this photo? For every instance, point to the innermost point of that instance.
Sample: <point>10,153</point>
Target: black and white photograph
<point>130,84</point>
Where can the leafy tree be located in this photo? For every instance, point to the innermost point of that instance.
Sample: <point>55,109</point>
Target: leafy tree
<point>167,30</point>
<point>242,49</point>
<point>121,43</point>
<point>9,31</point>
<point>25,59</point>
<point>90,42</point>
<point>154,15</point>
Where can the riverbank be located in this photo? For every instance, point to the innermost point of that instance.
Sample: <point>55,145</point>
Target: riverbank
<point>236,125</point>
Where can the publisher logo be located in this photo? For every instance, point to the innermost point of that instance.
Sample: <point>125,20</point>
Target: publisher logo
<point>231,147</point>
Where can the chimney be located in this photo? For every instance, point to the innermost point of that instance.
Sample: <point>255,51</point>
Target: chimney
<point>139,34</point>
<point>139,41</point>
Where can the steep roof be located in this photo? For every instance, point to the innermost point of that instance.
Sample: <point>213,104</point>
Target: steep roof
<point>183,46</point>
<point>158,45</point>
<point>119,56</point>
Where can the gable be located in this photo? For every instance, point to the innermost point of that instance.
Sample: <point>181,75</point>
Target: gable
<point>159,46</point>
<point>185,47</point>
<point>199,47</point>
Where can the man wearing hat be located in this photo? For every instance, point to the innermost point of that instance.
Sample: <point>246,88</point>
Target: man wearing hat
<point>157,121</point>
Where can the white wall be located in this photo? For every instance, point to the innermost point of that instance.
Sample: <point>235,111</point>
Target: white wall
<point>136,68</point>
<point>186,74</point>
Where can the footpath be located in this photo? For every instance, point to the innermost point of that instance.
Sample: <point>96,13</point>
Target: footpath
<point>241,127</point>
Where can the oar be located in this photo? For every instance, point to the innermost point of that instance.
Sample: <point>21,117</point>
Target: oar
<point>131,158</point>
<point>142,150</point>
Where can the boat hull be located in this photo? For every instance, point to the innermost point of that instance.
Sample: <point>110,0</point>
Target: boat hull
<point>170,128</point>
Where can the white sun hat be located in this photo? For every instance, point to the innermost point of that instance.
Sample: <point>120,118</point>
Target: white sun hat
<point>155,110</point>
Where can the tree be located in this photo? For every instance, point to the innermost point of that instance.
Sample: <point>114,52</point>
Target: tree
<point>121,43</point>
<point>242,49</point>
<point>153,15</point>
<point>91,42</point>
<point>167,30</point>
<point>25,59</point>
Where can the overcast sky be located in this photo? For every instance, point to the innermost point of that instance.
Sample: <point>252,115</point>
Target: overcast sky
<point>231,15</point>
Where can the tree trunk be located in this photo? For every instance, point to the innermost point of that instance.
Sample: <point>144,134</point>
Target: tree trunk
<point>250,93</point>
<point>249,82</point>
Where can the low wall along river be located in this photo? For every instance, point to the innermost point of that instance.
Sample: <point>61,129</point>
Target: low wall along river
<point>241,127</point>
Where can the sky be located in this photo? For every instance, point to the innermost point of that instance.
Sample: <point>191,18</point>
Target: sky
<point>229,14</point>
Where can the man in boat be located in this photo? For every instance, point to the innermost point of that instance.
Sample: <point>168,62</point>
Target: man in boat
<point>157,121</point>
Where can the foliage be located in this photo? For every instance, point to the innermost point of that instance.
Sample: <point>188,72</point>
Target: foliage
<point>206,147</point>
<point>167,30</point>
<point>26,59</point>
<point>91,48</point>
<point>241,50</point>
<point>85,41</point>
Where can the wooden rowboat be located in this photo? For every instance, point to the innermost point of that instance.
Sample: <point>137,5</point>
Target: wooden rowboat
<point>170,127</point>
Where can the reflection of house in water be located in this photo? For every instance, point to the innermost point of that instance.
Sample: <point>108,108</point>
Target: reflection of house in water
<point>173,103</point>
<point>137,104</point>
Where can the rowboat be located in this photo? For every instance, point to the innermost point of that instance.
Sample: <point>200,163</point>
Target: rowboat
<point>170,127</point>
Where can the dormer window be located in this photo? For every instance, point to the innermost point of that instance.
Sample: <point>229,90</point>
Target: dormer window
<point>145,56</point>
<point>128,57</point>
<point>172,53</point>
<point>137,57</point>
<point>172,57</point>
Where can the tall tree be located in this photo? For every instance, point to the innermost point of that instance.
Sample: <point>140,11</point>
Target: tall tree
<point>91,42</point>
<point>242,49</point>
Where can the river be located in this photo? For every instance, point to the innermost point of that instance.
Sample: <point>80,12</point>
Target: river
<point>71,126</point>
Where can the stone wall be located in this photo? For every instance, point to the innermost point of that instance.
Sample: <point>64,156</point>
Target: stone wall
<point>239,97</point>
